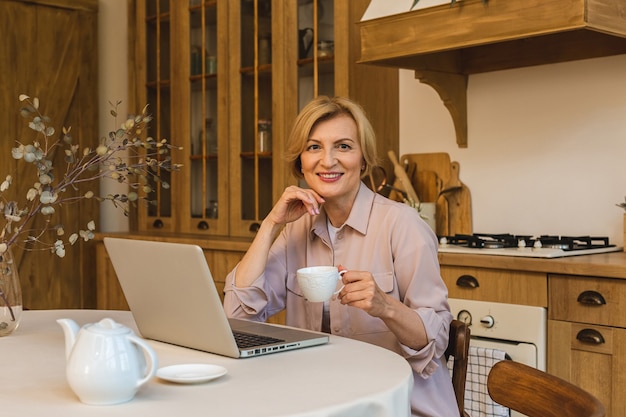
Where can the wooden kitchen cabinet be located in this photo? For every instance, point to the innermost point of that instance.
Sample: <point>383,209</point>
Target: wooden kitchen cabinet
<point>218,75</point>
<point>587,336</point>
<point>496,285</point>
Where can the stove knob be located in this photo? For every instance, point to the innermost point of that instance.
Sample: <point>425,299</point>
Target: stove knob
<point>465,316</point>
<point>487,321</point>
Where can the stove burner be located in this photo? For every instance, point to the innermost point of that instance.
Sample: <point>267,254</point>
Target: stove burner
<point>506,240</point>
<point>490,241</point>
<point>573,242</point>
<point>492,244</point>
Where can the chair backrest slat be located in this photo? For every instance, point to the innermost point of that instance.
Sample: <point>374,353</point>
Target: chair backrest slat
<point>538,394</point>
<point>458,348</point>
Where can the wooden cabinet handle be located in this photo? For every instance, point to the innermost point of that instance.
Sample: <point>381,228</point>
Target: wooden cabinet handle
<point>203,225</point>
<point>590,336</point>
<point>591,298</point>
<point>254,227</point>
<point>158,224</point>
<point>467,281</point>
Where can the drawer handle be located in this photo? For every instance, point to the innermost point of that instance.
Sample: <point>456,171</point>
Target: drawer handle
<point>590,336</point>
<point>203,225</point>
<point>467,281</point>
<point>591,298</point>
<point>158,224</point>
<point>254,227</point>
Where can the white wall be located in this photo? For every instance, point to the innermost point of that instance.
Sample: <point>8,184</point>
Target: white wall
<point>546,145</point>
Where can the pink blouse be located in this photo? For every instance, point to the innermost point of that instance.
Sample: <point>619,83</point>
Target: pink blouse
<point>390,240</point>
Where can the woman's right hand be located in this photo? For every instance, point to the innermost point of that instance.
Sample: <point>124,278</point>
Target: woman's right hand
<point>294,203</point>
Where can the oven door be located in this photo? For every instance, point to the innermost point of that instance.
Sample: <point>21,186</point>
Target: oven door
<point>514,331</point>
<point>525,353</point>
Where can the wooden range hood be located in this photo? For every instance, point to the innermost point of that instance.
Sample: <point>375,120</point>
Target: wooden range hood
<point>444,44</point>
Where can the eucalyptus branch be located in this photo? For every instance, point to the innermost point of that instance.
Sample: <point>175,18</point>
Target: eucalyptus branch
<point>144,159</point>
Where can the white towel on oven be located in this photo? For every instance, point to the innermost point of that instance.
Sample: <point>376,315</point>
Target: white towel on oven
<point>478,403</point>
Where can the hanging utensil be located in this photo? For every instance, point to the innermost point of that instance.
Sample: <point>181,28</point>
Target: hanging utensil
<point>400,173</point>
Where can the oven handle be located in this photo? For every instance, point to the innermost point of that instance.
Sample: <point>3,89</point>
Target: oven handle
<point>467,281</point>
<point>590,336</point>
<point>591,298</point>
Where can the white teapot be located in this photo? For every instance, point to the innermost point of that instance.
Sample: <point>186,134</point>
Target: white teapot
<point>105,363</point>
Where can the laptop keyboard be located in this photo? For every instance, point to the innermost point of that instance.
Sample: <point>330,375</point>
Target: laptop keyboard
<point>246,340</point>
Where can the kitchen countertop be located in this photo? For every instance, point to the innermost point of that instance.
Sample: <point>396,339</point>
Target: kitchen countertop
<point>609,265</point>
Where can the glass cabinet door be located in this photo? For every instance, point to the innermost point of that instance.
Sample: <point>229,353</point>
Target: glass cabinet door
<point>158,95</point>
<point>207,206</point>
<point>252,116</point>
<point>316,49</point>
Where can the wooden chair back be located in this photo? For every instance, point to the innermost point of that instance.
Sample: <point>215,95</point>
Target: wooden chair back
<point>538,394</point>
<point>458,348</point>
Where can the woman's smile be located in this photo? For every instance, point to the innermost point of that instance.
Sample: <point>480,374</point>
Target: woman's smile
<point>330,176</point>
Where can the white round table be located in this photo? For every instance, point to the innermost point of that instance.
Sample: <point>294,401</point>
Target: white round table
<point>342,378</point>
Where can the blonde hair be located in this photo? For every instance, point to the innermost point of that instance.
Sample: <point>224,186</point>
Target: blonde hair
<point>325,108</point>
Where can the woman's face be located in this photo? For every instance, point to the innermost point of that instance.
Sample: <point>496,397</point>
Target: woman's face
<point>333,159</point>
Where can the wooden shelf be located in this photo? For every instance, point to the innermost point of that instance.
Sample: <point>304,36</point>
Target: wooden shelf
<point>444,44</point>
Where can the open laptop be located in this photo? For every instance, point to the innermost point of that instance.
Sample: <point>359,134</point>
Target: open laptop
<point>173,299</point>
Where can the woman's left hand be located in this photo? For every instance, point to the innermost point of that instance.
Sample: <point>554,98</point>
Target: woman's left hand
<point>361,291</point>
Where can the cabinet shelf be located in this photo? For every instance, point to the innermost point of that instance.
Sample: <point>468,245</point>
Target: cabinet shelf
<point>197,78</point>
<point>161,17</point>
<point>262,69</point>
<point>251,155</point>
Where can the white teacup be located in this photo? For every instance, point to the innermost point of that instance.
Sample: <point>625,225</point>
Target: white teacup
<point>319,283</point>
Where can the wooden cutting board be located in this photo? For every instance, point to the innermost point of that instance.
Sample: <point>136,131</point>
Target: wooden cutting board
<point>427,185</point>
<point>439,163</point>
<point>453,198</point>
<point>459,211</point>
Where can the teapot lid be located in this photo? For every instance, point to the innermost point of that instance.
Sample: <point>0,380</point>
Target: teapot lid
<point>109,326</point>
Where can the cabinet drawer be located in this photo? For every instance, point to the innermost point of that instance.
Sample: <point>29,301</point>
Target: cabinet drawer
<point>501,286</point>
<point>588,300</point>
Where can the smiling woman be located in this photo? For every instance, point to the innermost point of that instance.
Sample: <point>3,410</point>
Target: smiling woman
<point>392,294</point>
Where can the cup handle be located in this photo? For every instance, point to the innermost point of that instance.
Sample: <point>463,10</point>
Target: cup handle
<point>340,275</point>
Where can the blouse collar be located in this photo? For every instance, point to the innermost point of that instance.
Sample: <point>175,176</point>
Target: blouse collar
<point>359,215</point>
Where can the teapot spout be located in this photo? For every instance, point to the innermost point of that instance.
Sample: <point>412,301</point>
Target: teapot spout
<point>70,328</point>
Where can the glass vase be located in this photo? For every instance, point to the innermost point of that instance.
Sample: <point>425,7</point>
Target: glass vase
<point>10,294</point>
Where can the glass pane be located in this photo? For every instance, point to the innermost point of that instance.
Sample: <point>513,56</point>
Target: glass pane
<point>316,41</point>
<point>203,116</point>
<point>256,109</point>
<point>159,94</point>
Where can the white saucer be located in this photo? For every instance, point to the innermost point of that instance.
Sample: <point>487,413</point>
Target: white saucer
<point>191,373</point>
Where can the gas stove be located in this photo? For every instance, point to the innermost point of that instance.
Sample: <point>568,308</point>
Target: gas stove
<point>543,246</point>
